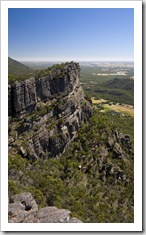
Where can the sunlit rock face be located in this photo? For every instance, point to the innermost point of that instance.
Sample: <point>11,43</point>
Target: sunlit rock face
<point>45,113</point>
<point>23,209</point>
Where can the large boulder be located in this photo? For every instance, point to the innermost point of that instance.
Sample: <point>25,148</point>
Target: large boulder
<point>23,209</point>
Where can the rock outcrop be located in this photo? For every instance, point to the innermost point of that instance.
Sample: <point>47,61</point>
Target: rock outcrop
<point>23,209</point>
<point>45,113</point>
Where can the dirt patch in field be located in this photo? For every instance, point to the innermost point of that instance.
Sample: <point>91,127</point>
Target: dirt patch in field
<point>94,101</point>
<point>83,83</point>
<point>124,109</point>
<point>120,108</point>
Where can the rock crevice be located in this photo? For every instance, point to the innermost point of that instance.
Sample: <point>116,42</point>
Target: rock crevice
<point>46,113</point>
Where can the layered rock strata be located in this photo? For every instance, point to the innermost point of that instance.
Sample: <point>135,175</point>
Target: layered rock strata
<point>46,113</point>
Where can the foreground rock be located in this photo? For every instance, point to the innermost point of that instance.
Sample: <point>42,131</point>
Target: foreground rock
<point>23,209</point>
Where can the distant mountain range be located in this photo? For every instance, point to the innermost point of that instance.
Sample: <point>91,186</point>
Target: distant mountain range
<point>17,68</point>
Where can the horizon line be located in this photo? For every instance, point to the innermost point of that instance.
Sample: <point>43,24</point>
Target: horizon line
<point>97,61</point>
<point>73,59</point>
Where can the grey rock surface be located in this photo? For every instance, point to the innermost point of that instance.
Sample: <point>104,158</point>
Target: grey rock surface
<point>23,209</point>
<point>46,113</point>
<point>23,96</point>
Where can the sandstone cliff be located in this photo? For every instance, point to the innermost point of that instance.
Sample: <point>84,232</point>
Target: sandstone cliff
<point>46,112</point>
<point>23,209</point>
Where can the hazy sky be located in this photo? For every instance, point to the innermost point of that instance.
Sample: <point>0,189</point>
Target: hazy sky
<point>71,34</point>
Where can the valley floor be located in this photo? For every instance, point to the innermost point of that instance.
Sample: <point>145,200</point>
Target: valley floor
<point>107,105</point>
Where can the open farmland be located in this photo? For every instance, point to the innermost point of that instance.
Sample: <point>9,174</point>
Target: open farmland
<point>105,105</point>
<point>120,108</point>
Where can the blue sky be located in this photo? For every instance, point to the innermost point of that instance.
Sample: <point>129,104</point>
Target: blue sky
<point>90,34</point>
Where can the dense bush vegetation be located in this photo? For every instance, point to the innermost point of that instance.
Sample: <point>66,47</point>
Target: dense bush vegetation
<point>88,179</point>
<point>17,68</point>
<point>120,91</point>
<point>77,180</point>
<point>115,88</point>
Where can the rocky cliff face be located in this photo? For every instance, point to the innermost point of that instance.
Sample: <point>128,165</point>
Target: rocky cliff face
<point>23,209</point>
<point>46,113</point>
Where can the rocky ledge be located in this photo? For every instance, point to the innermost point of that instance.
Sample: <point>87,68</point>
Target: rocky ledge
<point>23,209</point>
<point>46,112</point>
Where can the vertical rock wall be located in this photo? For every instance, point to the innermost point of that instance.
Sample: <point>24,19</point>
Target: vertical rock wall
<point>47,112</point>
